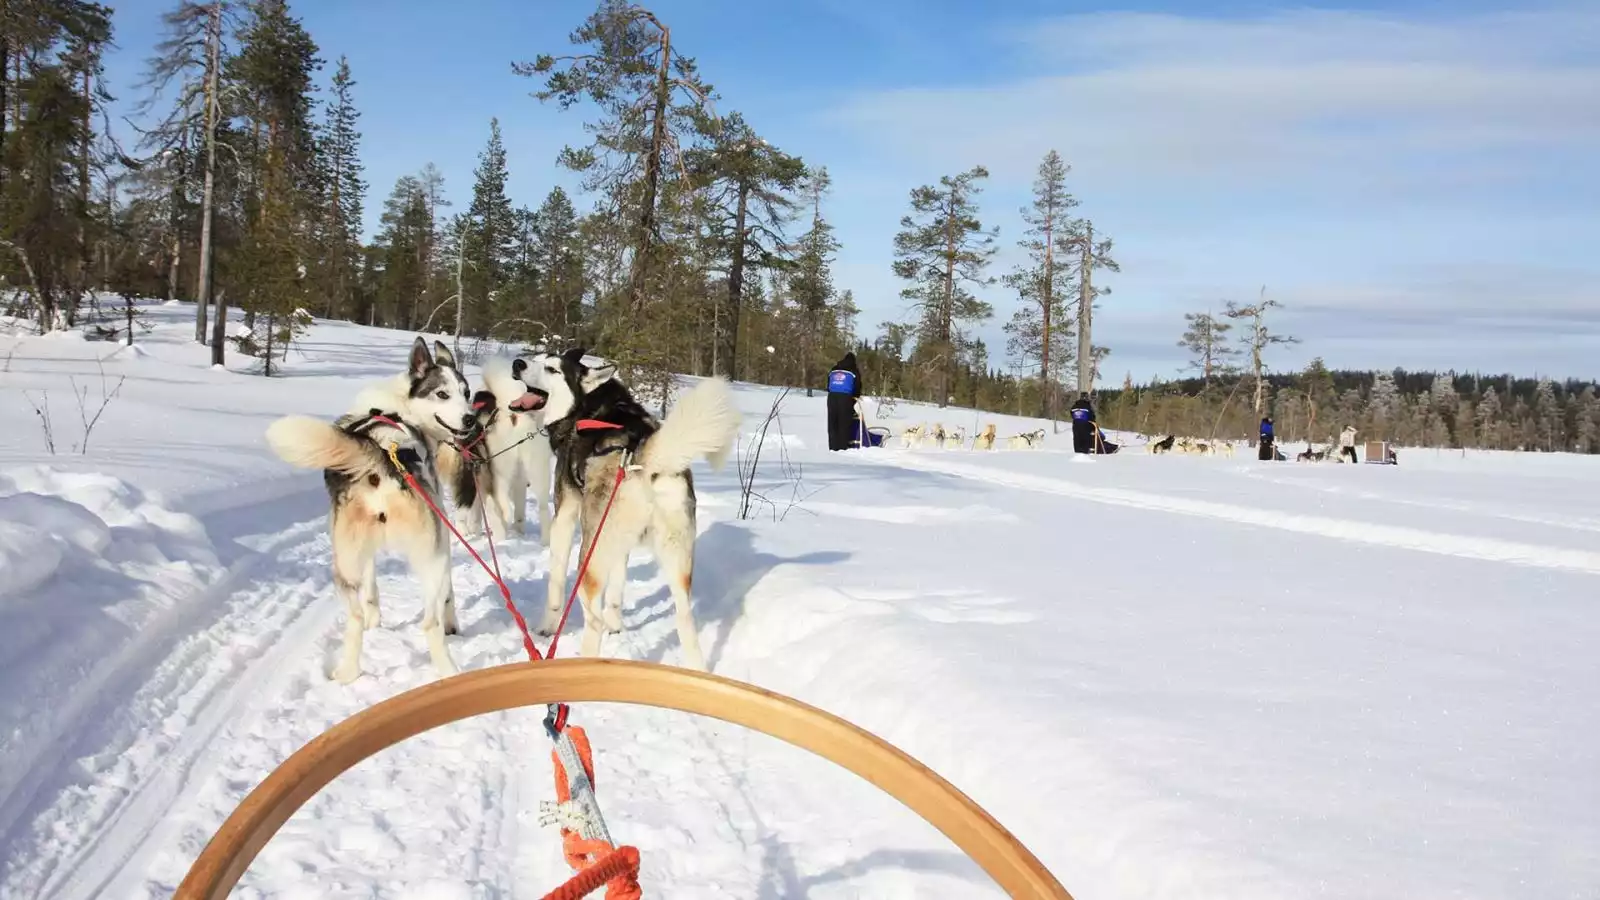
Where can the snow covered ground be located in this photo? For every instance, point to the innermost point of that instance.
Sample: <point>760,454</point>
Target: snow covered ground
<point>1169,676</point>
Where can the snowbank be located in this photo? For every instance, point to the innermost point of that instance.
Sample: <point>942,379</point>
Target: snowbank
<point>86,561</point>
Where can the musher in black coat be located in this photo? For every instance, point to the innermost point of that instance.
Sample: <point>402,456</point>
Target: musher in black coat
<point>1083,427</point>
<point>1266,446</point>
<point>844,388</point>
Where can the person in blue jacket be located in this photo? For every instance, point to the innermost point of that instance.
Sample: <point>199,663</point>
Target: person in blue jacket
<point>1266,447</point>
<point>844,388</point>
<point>1083,426</point>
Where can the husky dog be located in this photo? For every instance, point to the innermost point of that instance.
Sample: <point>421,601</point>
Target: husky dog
<point>1026,441</point>
<point>936,436</point>
<point>912,436</point>
<point>509,455</point>
<point>985,438</point>
<point>373,507</point>
<point>956,439</point>
<point>1164,445</point>
<point>596,428</point>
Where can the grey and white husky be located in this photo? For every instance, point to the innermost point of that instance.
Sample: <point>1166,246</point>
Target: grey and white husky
<point>373,508</point>
<point>597,427</point>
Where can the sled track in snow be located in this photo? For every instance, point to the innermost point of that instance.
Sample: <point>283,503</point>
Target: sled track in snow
<point>1392,536</point>
<point>143,722</point>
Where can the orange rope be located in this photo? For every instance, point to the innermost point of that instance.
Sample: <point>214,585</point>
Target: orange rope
<point>597,861</point>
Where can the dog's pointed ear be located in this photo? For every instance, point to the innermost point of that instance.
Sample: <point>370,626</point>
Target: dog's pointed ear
<point>442,355</point>
<point>599,373</point>
<point>420,360</point>
<point>575,358</point>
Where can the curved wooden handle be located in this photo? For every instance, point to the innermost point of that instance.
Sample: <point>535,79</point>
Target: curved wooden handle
<point>231,850</point>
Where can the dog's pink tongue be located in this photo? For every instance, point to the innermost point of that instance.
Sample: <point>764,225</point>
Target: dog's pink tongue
<point>527,402</point>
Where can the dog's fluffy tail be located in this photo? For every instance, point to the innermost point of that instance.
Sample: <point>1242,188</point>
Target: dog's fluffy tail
<point>314,444</point>
<point>704,422</point>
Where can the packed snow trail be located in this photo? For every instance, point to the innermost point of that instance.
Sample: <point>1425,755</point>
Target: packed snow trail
<point>1170,677</point>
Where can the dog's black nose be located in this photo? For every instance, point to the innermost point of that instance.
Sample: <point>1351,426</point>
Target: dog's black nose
<point>469,420</point>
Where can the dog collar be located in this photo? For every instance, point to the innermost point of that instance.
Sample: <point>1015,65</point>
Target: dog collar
<point>596,425</point>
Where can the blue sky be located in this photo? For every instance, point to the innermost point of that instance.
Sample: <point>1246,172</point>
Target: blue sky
<point>1413,181</point>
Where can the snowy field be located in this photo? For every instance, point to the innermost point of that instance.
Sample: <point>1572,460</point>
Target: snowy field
<point>1169,676</point>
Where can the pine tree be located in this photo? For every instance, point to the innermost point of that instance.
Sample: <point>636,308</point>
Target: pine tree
<point>748,206</point>
<point>1039,333</point>
<point>1383,403</point>
<point>1445,402</point>
<point>1550,430</point>
<point>811,282</point>
<point>1206,338</point>
<point>273,73</point>
<point>1586,422</point>
<point>340,154</point>
<point>491,237</point>
<point>47,154</point>
<point>558,256</point>
<point>1257,339</point>
<point>1093,254</point>
<point>650,97</point>
<point>403,267</point>
<point>941,250</point>
<point>1489,419</point>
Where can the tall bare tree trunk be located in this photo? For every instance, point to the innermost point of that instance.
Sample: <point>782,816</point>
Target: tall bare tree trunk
<point>80,284</point>
<point>1048,300</point>
<point>652,171</point>
<point>736,279</point>
<point>1086,311</point>
<point>5,84</point>
<point>202,293</point>
<point>947,308</point>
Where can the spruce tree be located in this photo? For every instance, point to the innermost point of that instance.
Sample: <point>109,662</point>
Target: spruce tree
<point>558,259</point>
<point>811,281</point>
<point>344,193</point>
<point>273,73</point>
<point>943,251</point>
<point>491,237</point>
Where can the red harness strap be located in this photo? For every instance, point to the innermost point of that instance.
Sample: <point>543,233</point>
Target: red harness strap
<point>596,425</point>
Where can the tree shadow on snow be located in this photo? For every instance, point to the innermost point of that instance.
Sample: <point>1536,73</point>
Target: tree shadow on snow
<point>726,566</point>
<point>780,880</point>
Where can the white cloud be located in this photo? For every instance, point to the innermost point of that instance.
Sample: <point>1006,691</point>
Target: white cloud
<point>1416,189</point>
<point>1134,97</point>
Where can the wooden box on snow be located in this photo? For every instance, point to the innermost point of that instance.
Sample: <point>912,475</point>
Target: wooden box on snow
<point>1377,452</point>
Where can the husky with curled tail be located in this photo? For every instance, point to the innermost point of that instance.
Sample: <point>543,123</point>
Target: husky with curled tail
<point>596,429</point>
<point>373,507</point>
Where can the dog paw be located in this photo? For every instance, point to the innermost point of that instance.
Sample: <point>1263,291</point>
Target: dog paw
<point>347,672</point>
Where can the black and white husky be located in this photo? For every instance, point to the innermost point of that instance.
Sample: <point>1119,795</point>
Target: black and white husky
<point>373,506</point>
<point>596,427</point>
<point>510,455</point>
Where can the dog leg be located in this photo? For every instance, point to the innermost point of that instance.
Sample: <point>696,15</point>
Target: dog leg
<point>559,537</point>
<point>616,586</point>
<point>432,565</point>
<point>591,592</point>
<point>348,567</point>
<point>369,599</point>
<point>674,547</point>
<point>511,490</point>
<point>539,480</point>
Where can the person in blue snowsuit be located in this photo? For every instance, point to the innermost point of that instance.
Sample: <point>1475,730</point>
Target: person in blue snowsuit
<point>844,388</point>
<point>1083,427</point>
<point>1266,446</point>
